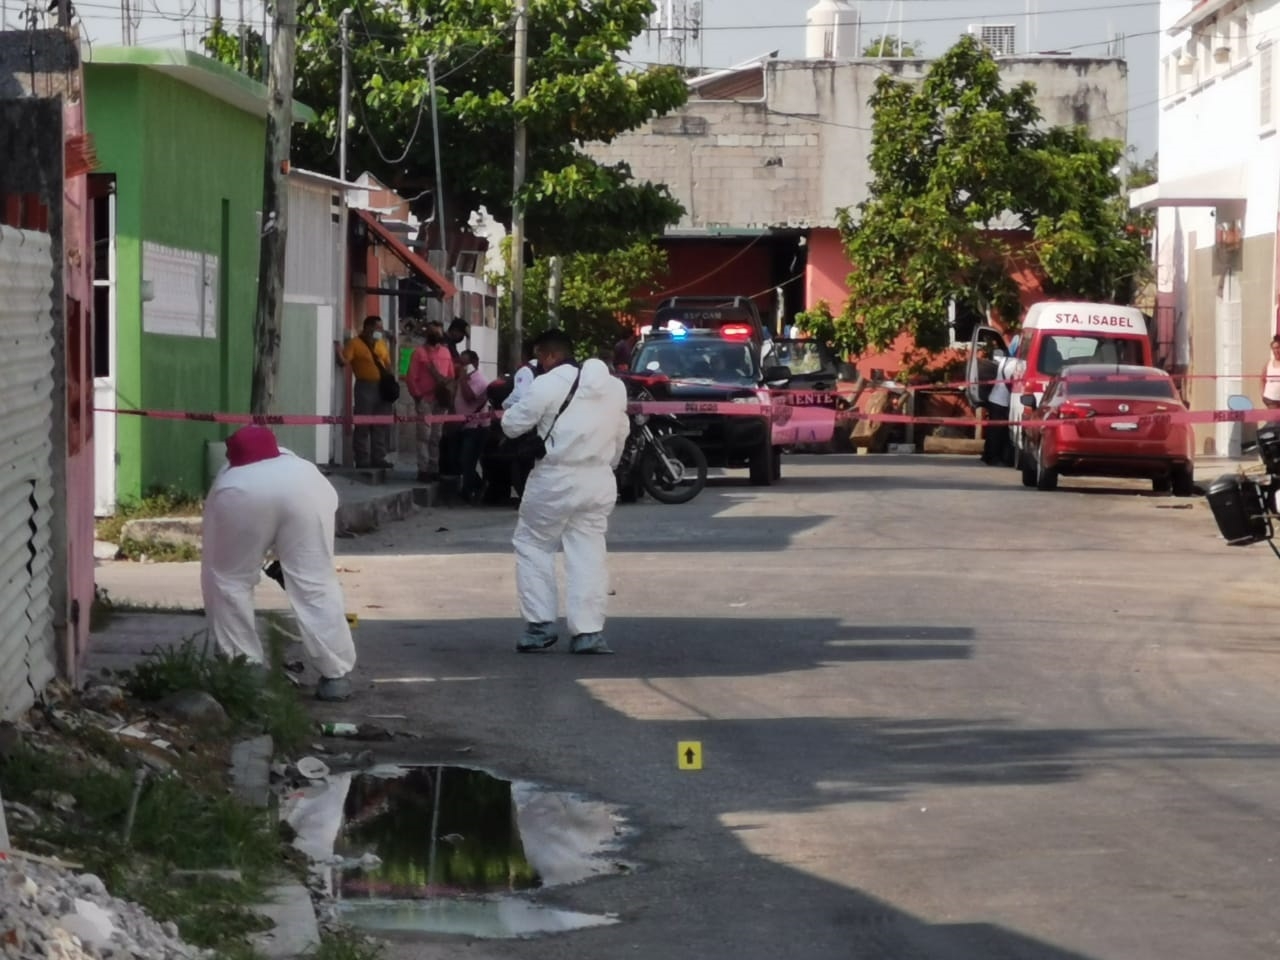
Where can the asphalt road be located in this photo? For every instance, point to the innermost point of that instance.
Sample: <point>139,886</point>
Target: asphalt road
<point>942,716</point>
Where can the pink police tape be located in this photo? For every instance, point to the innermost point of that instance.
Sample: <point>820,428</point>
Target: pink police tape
<point>779,414</point>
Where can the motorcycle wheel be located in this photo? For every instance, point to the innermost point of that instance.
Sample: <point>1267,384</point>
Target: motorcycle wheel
<point>693,471</point>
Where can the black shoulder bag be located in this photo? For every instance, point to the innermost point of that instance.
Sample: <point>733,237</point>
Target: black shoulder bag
<point>388,385</point>
<point>532,445</point>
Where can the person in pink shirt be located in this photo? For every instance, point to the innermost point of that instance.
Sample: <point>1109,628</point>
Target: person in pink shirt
<point>470,398</point>
<point>431,383</point>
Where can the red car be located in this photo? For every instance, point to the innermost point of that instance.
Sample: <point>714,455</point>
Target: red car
<point>1079,446</point>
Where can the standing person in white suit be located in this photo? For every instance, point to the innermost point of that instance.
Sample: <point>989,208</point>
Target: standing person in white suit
<point>581,416</point>
<point>265,499</point>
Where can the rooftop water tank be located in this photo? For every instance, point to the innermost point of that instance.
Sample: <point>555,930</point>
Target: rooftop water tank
<point>833,31</point>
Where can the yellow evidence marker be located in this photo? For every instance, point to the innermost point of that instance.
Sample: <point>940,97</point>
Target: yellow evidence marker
<point>689,755</point>
<point>353,619</point>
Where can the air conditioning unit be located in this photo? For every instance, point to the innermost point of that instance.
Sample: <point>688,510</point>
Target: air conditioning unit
<point>997,37</point>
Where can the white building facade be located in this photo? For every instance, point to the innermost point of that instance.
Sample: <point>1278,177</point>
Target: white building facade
<point>1218,198</point>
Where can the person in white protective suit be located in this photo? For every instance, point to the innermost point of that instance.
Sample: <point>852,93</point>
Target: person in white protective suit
<point>267,498</point>
<point>582,417</point>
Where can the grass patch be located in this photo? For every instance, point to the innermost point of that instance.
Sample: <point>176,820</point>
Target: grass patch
<point>177,826</point>
<point>158,503</point>
<point>262,701</point>
<point>175,822</point>
<point>209,912</point>
<point>345,945</point>
<point>157,551</point>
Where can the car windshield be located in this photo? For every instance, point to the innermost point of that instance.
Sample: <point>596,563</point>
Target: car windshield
<point>708,359</point>
<point>1142,387</point>
<point>1065,349</point>
<point>802,356</point>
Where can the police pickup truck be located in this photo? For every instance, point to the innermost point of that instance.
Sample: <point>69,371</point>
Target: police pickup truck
<point>717,364</point>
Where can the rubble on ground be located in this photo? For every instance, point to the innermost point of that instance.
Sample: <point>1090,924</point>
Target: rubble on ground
<point>49,912</point>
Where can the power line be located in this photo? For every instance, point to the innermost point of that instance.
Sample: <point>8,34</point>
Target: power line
<point>1091,8</point>
<point>954,18</point>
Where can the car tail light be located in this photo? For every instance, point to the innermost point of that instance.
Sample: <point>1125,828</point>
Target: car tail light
<point>1074,411</point>
<point>735,331</point>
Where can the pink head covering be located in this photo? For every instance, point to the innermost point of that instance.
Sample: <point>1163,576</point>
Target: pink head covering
<point>251,444</point>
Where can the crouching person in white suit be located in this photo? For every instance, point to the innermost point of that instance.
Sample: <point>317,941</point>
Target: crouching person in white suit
<point>582,417</point>
<point>265,499</point>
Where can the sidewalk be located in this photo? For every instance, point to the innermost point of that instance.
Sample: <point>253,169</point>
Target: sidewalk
<point>368,499</point>
<point>1209,469</point>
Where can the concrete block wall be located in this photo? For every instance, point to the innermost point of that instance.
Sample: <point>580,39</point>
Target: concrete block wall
<point>798,155</point>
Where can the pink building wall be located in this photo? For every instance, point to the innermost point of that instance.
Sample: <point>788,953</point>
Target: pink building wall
<point>828,270</point>
<point>78,262</point>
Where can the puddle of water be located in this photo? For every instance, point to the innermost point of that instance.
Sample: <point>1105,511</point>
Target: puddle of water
<point>451,849</point>
<point>501,919</point>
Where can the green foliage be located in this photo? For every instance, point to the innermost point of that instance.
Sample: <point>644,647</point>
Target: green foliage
<point>346,944</point>
<point>179,824</point>
<point>596,290</point>
<point>253,698</point>
<point>157,503</point>
<point>952,158</point>
<point>818,322</point>
<point>242,50</point>
<point>158,551</point>
<point>577,92</point>
<point>890,45</point>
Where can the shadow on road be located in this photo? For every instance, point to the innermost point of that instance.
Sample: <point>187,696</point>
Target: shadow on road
<point>609,726</point>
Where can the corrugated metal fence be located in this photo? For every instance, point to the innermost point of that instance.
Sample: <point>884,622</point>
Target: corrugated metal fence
<point>28,656</point>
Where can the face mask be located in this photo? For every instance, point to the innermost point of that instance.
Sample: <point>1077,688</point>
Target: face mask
<point>377,335</point>
<point>434,338</point>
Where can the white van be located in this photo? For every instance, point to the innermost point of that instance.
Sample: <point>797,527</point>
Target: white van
<point>1055,334</point>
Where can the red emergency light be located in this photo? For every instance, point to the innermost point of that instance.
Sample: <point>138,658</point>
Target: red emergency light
<point>735,331</point>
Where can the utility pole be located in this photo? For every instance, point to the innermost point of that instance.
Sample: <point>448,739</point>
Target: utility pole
<point>441,219</point>
<point>554,286</point>
<point>517,207</point>
<point>275,208</point>
<point>344,104</point>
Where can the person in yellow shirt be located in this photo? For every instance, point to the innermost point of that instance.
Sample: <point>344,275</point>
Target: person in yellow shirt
<point>367,357</point>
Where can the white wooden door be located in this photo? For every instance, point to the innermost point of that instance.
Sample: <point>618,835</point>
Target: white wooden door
<point>104,387</point>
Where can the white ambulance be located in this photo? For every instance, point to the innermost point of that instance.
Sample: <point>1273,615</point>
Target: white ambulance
<point>1054,335</point>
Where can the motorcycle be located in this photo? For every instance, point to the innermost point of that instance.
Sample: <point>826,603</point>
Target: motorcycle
<point>659,460</point>
<point>1243,506</point>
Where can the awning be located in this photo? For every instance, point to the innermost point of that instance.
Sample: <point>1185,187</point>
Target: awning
<point>1215,188</point>
<point>1203,10</point>
<point>426,271</point>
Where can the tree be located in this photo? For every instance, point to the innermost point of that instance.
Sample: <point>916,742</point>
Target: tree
<point>890,45</point>
<point>953,159</point>
<point>243,49</point>
<point>578,92</point>
<point>598,291</point>
<point>1144,173</point>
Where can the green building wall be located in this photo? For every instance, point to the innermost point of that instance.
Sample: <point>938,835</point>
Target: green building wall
<point>188,170</point>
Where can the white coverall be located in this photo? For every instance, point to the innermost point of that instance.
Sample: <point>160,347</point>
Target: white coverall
<point>283,504</point>
<point>570,494</point>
